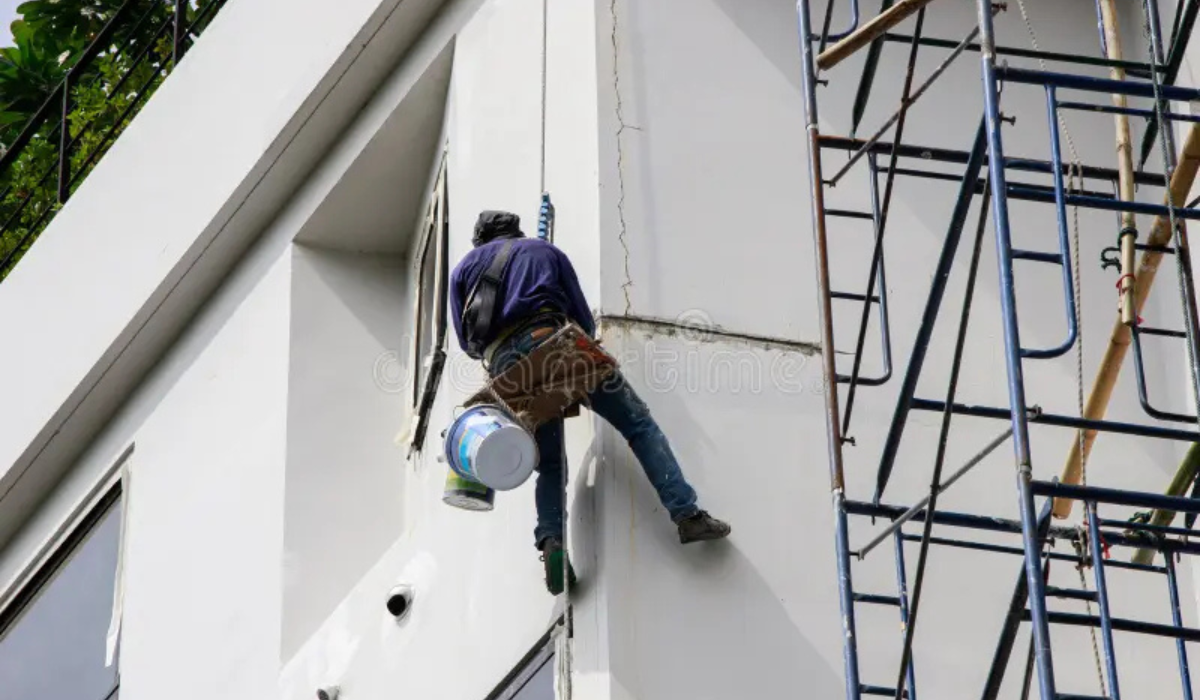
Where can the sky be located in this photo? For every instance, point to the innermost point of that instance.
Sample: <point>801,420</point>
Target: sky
<point>8,12</point>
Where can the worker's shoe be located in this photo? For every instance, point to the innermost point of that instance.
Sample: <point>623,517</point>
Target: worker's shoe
<point>702,526</point>
<point>552,561</point>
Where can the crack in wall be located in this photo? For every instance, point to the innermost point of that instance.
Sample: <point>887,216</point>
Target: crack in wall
<point>708,333</point>
<point>622,235</point>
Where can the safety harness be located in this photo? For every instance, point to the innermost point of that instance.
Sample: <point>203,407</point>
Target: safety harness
<point>480,310</point>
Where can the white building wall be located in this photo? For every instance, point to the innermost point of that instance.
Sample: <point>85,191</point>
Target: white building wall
<point>273,509</point>
<point>480,604</point>
<point>203,571</point>
<point>709,212</point>
<point>344,493</point>
<point>195,178</point>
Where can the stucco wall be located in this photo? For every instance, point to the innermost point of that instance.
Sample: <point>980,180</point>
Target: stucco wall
<point>480,603</point>
<point>244,581</point>
<point>203,569</point>
<point>350,317</point>
<point>705,200</point>
<point>199,173</point>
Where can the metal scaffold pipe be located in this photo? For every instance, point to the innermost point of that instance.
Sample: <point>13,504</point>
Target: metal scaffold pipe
<point>919,506</point>
<point>904,105</point>
<point>829,365</point>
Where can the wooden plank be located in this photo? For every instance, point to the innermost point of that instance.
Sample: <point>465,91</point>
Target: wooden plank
<point>868,32</point>
<point>1126,189</point>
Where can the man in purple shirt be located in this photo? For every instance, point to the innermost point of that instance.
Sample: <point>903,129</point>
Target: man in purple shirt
<point>509,295</point>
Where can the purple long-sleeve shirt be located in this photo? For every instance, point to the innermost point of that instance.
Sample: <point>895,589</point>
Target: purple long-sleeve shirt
<point>539,276</point>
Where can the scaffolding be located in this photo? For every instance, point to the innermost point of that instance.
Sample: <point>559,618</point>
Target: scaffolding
<point>988,178</point>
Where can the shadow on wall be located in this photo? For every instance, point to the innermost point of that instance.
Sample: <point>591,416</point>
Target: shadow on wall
<point>716,621</point>
<point>771,26</point>
<point>719,629</point>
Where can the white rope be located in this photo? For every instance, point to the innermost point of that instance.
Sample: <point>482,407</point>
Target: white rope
<point>545,41</point>
<point>564,652</point>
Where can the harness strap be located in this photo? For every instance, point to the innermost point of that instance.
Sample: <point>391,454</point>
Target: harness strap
<point>480,309</point>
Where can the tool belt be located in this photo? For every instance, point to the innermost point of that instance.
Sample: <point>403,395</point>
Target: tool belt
<point>552,380</point>
<point>543,317</point>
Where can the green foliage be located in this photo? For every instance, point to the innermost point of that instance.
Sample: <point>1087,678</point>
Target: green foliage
<point>29,71</point>
<point>69,24</point>
<point>104,99</point>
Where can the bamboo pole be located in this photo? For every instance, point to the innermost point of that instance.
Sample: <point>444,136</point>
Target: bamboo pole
<point>1127,238</point>
<point>868,32</point>
<point>1118,344</point>
<point>1184,477</point>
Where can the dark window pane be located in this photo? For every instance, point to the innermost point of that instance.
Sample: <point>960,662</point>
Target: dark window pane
<point>541,686</point>
<point>55,649</point>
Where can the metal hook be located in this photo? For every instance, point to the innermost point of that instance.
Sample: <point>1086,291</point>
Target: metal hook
<point>1110,257</point>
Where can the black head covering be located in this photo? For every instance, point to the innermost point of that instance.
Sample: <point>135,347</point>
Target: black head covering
<point>496,224</point>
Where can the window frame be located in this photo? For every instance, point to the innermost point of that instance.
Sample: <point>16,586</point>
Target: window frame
<point>58,552</point>
<point>542,653</point>
<point>435,241</point>
<point>32,585</point>
<point>57,546</point>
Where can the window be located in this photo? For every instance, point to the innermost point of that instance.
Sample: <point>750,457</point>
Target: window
<point>52,637</point>
<point>533,678</point>
<point>429,342</point>
<point>540,686</point>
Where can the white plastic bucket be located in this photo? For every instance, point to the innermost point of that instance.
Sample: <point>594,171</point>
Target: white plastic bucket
<point>485,444</point>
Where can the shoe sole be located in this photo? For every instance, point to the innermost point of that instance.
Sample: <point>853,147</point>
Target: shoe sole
<point>707,537</point>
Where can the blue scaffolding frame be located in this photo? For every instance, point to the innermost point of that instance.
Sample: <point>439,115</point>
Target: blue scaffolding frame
<point>986,171</point>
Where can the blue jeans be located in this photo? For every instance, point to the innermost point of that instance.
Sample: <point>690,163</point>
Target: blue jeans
<point>616,402</point>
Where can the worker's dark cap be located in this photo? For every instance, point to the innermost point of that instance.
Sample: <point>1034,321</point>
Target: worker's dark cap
<point>496,224</point>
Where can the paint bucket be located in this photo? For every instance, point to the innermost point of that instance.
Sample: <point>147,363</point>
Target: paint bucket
<point>487,445</point>
<point>467,494</point>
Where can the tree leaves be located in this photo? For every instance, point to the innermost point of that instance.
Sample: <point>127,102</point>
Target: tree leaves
<point>48,40</point>
<point>29,72</point>
<point>68,24</point>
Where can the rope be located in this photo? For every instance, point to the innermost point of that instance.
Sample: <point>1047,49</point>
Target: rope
<point>1074,184</point>
<point>1083,559</point>
<point>1042,64</point>
<point>545,42</point>
<point>546,222</point>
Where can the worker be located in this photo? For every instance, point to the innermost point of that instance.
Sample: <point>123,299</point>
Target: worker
<point>509,295</point>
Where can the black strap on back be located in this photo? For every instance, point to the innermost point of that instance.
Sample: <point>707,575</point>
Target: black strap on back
<point>480,309</point>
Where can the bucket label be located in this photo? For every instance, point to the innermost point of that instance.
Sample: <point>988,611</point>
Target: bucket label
<point>473,434</point>
<point>506,463</point>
